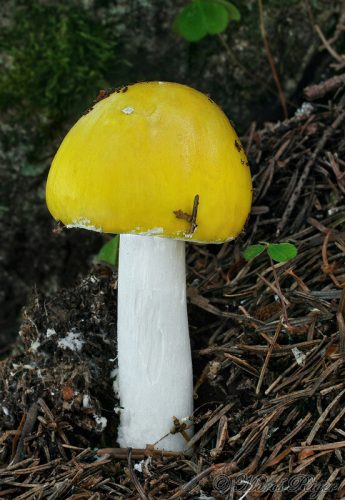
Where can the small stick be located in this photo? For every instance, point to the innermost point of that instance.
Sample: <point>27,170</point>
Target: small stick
<point>327,268</point>
<point>241,363</point>
<point>316,427</point>
<point>210,423</point>
<point>281,296</point>
<point>189,218</point>
<point>183,490</point>
<point>268,355</point>
<point>341,326</point>
<point>193,224</point>
<point>137,453</point>
<point>134,478</point>
<point>341,307</point>
<point>319,90</point>
<point>18,434</point>
<point>336,420</point>
<point>327,45</point>
<point>253,465</point>
<point>181,428</point>
<point>222,437</point>
<point>30,420</point>
<point>328,483</point>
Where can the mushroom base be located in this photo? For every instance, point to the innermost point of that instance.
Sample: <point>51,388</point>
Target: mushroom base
<point>154,356</point>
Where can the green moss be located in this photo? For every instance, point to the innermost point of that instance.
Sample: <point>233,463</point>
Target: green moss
<point>56,58</point>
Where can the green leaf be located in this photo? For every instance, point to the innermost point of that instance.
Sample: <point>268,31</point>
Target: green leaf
<point>109,253</point>
<point>200,18</point>
<point>216,16</point>
<point>189,23</point>
<point>253,251</point>
<point>281,252</point>
<point>233,12</point>
<point>33,169</point>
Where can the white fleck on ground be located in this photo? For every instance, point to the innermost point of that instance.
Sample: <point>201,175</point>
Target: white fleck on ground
<point>72,341</point>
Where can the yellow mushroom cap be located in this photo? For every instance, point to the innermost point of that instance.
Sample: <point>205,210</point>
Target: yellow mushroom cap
<point>137,160</point>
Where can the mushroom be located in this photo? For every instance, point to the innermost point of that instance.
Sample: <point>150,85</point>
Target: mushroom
<point>160,164</point>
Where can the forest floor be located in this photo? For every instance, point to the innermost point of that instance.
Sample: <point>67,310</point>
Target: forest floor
<point>268,345</point>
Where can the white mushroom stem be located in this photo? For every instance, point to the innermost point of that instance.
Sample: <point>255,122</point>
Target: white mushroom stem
<point>154,355</point>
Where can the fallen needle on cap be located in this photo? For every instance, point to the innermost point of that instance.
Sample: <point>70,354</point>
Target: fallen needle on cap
<point>191,218</point>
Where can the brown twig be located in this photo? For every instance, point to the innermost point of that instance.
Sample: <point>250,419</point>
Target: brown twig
<point>268,355</point>
<point>210,423</point>
<point>183,490</point>
<point>313,92</point>
<point>322,418</point>
<point>134,478</point>
<point>191,218</point>
<point>341,326</point>
<point>327,45</point>
<point>137,453</point>
<point>26,429</point>
<point>280,295</point>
